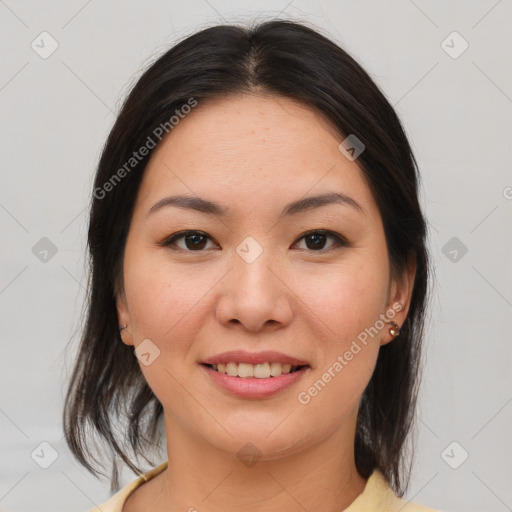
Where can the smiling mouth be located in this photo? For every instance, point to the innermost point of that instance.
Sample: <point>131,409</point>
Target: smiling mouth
<point>259,371</point>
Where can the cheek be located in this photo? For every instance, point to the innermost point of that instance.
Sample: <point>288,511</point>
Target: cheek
<point>161,295</point>
<point>348,299</point>
<point>163,302</point>
<point>346,355</point>
<point>348,306</point>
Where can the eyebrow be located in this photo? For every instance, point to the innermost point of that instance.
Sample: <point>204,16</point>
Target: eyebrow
<point>211,208</point>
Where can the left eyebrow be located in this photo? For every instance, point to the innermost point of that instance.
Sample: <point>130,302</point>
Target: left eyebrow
<point>311,202</point>
<point>301,205</point>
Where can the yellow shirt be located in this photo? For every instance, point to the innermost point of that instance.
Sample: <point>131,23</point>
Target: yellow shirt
<point>377,496</point>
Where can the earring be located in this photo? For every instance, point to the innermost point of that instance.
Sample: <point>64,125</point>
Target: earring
<point>394,330</point>
<point>121,327</point>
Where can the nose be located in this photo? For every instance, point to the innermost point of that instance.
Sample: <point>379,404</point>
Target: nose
<point>254,295</point>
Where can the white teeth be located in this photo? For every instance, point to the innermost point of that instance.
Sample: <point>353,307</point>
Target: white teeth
<point>245,370</point>
<point>260,371</point>
<point>232,369</point>
<point>276,369</point>
<point>287,368</point>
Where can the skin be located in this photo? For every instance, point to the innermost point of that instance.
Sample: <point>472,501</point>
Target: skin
<point>255,154</point>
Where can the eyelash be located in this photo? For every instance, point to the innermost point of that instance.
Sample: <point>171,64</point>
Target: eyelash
<point>340,241</point>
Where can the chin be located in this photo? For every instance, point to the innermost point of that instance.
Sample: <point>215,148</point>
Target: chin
<point>263,440</point>
<point>251,448</point>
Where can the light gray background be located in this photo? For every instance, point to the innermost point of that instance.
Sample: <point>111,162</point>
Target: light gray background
<point>56,113</point>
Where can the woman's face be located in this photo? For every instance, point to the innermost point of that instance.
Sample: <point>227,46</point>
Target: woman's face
<point>307,285</point>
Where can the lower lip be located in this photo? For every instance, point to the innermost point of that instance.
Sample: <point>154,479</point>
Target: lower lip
<point>251,387</point>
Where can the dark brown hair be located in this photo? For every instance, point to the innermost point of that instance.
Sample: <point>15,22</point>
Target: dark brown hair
<point>275,57</point>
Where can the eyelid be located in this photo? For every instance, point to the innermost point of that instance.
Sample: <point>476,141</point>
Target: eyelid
<point>340,240</point>
<point>170,240</point>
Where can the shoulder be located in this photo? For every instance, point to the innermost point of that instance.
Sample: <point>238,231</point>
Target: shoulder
<point>378,496</point>
<point>116,502</point>
<point>410,506</point>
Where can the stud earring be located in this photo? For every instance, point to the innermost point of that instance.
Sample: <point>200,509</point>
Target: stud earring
<point>121,327</point>
<point>394,330</point>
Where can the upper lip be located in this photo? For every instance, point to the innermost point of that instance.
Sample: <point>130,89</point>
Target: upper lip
<point>241,356</point>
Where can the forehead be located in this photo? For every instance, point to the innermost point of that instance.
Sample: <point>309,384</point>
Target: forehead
<point>249,149</point>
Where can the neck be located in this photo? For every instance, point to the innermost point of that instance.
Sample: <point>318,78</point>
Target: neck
<point>202,477</point>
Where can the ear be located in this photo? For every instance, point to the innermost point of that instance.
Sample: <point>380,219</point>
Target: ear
<point>124,318</point>
<point>399,299</point>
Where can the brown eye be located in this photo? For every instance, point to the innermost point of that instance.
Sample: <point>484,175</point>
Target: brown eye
<point>316,240</point>
<point>194,241</point>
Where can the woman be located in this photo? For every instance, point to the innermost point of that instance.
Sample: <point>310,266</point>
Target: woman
<point>259,282</point>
